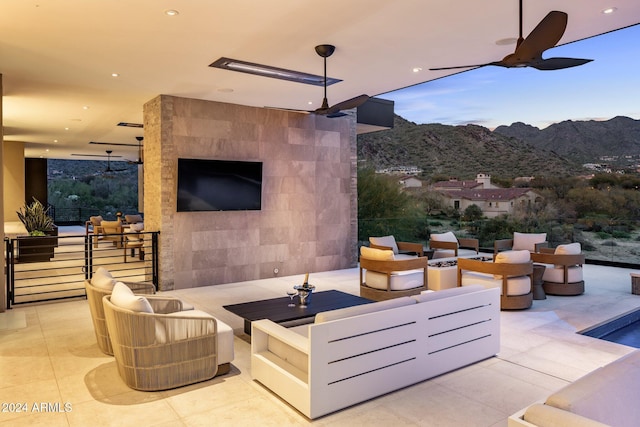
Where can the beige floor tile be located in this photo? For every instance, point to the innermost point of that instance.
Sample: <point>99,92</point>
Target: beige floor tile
<point>55,358</point>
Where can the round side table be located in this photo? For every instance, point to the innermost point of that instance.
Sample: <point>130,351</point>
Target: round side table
<point>538,290</point>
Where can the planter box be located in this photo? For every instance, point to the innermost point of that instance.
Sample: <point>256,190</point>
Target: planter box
<point>36,248</point>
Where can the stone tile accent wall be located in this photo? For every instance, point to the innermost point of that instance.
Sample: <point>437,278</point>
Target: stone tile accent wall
<point>308,221</point>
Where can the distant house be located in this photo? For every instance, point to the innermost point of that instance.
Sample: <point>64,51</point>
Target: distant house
<point>492,200</point>
<point>410,181</point>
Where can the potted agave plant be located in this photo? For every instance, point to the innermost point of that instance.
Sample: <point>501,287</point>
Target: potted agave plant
<point>42,239</point>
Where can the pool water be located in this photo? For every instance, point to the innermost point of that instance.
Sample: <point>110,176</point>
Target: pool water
<point>622,330</point>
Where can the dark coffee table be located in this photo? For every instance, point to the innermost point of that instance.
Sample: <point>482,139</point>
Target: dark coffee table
<point>277,310</point>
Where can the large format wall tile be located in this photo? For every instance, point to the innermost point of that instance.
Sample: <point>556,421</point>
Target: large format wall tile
<point>307,222</point>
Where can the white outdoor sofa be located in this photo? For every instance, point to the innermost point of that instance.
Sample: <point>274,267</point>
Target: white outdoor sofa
<point>354,354</point>
<point>607,396</point>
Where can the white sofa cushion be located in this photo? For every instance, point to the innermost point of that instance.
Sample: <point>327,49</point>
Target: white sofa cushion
<point>608,395</point>
<point>376,254</point>
<point>224,334</point>
<point>103,279</point>
<point>527,241</point>
<point>122,296</point>
<point>357,310</point>
<point>520,285</point>
<point>545,415</point>
<point>388,241</point>
<point>556,275</point>
<point>399,280</point>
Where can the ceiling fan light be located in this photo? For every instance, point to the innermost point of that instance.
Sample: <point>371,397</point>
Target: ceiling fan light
<point>273,72</point>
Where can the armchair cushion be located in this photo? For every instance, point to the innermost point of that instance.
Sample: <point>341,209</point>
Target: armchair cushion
<point>376,254</point>
<point>95,220</point>
<point>398,280</point>
<point>133,219</point>
<point>103,279</point>
<point>138,226</point>
<point>569,249</point>
<point>444,237</point>
<point>520,285</point>
<point>556,275</point>
<point>388,241</point>
<point>122,296</point>
<point>527,241</point>
<point>513,257</point>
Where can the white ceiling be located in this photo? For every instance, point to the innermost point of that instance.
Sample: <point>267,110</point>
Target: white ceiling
<point>57,56</point>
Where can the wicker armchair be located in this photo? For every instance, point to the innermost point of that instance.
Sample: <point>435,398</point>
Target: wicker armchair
<point>515,280</point>
<point>162,351</point>
<point>94,297</point>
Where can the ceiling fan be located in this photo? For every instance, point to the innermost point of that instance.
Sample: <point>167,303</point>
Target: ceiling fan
<point>325,51</point>
<point>140,160</point>
<point>529,51</point>
<point>108,169</point>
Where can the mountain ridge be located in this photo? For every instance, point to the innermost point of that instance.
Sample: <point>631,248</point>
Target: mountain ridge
<point>508,151</point>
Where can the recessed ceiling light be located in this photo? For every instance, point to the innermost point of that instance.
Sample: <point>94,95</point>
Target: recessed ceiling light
<point>86,107</point>
<point>171,12</point>
<point>115,75</point>
<point>55,140</point>
<point>66,128</point>
<point>609,10</point>
<point>416,69</point>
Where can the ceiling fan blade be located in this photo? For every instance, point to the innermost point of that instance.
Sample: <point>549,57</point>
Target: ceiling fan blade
<point>558,63</point>
<point>544,36</point>
<point>463,66</point>
<point>348,104</point>
<point>291,110</point>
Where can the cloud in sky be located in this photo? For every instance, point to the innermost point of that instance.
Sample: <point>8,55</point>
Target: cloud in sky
<point>492,96</point>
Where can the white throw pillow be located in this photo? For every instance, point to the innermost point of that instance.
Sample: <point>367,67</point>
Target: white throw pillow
<point>103,279</point>
<point>388,241</point>
<point>444,237</point>
<point>568,249</point>
<point>376,254</point>
<point>123,297</point>
<point>513,257</point>
<point>138,226</point>
<point>527,241</point>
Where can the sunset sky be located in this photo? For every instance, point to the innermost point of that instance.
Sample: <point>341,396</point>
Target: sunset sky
<point>492,96</point>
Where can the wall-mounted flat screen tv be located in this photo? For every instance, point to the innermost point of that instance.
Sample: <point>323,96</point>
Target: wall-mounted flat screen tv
<point>219,185</point>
